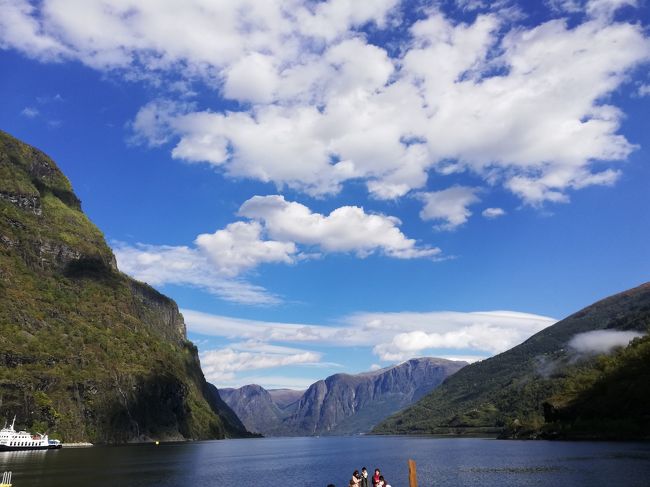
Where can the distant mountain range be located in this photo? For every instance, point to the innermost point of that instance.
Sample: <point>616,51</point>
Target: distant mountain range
<point>560,383</point>
<point>340,404</point>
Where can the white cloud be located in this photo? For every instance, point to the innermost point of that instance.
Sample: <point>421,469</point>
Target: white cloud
<point>30,112</point>
<point>153,35</point>
<point>545,125</point>
<point>238,329</point>
<point>162,264</point>
<point>449,205</point>
<point>492,213</point>
<point>279,231</point>
<point>602,341</point>
<point>522,106</point>
<point>253,78</point>
<point>644,90</point>
<point>375,367</point>
<point>240,246</point>
<point>605,9</point>
<point>412,333</point>
<point>346,229</point>
<point>20,29</point>
<point>394,336</point>
<point>223,364</point>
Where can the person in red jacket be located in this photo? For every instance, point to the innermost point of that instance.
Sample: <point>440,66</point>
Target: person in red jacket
<point>375,478</point>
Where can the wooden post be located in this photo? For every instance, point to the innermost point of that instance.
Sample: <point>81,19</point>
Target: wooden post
<point>413,476</point>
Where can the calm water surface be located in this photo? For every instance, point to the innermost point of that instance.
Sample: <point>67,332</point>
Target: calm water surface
<point>318,461</point>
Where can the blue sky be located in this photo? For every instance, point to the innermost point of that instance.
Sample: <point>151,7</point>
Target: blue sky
<point>336,186</point>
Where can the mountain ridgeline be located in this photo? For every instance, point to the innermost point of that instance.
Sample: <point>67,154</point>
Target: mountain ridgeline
<point>87,353</point>
<point>340,404</point>
<point>547,386</point>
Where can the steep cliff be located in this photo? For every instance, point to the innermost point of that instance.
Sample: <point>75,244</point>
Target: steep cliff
<point>86,352</point>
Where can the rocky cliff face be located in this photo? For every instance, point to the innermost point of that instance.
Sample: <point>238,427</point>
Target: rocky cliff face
<point>341,403</point>
<point>256,408</point>
<point>86,352</point>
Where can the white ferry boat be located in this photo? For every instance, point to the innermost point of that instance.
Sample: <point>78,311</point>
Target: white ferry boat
<point>12,440</point>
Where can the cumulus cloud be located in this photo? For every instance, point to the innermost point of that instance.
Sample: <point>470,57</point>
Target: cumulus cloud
<point>393,336</point>
<point>449,205</point>
<point>483,332</point>
<point>240,246</point>
<point>492,213</point>
<point>163,264</point>
<point>521,106</point>
<point>223,364</point>
<point>537,128</point>
<point>346,229</point>
<point>602,341</point>
<point>277,232</point>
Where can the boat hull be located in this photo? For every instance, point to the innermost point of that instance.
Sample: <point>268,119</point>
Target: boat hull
<point>25,448</point>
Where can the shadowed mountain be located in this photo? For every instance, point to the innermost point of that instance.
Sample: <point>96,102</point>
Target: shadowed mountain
<point>340,404</point>
<point>86,352</point>
<point>548,384</point>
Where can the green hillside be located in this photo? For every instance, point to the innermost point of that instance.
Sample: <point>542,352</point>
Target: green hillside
<point>541,386</point>
<point>608,400</point>
<point>87,353</point>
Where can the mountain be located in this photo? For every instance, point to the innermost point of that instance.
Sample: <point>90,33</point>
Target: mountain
<point>258,409</point>
<point>284,398</point>
<point>545,385</point>
<point>340,404</point>
<point>87,353</point>
<point>609,400</point>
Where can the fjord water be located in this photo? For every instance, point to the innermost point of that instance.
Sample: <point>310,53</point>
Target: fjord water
<point>317,462</point>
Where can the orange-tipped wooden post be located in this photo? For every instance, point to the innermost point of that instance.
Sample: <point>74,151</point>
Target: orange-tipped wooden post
<point>413,476</point>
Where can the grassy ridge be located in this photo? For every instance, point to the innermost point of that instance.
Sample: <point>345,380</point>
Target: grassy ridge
<point>514,392</point>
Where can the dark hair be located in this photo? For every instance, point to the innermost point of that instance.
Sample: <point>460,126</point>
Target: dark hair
<point>331,485</point>
<point>364,468</point>
<point>377,470</point>
<point>381,477</point>
<point>355,473</point>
